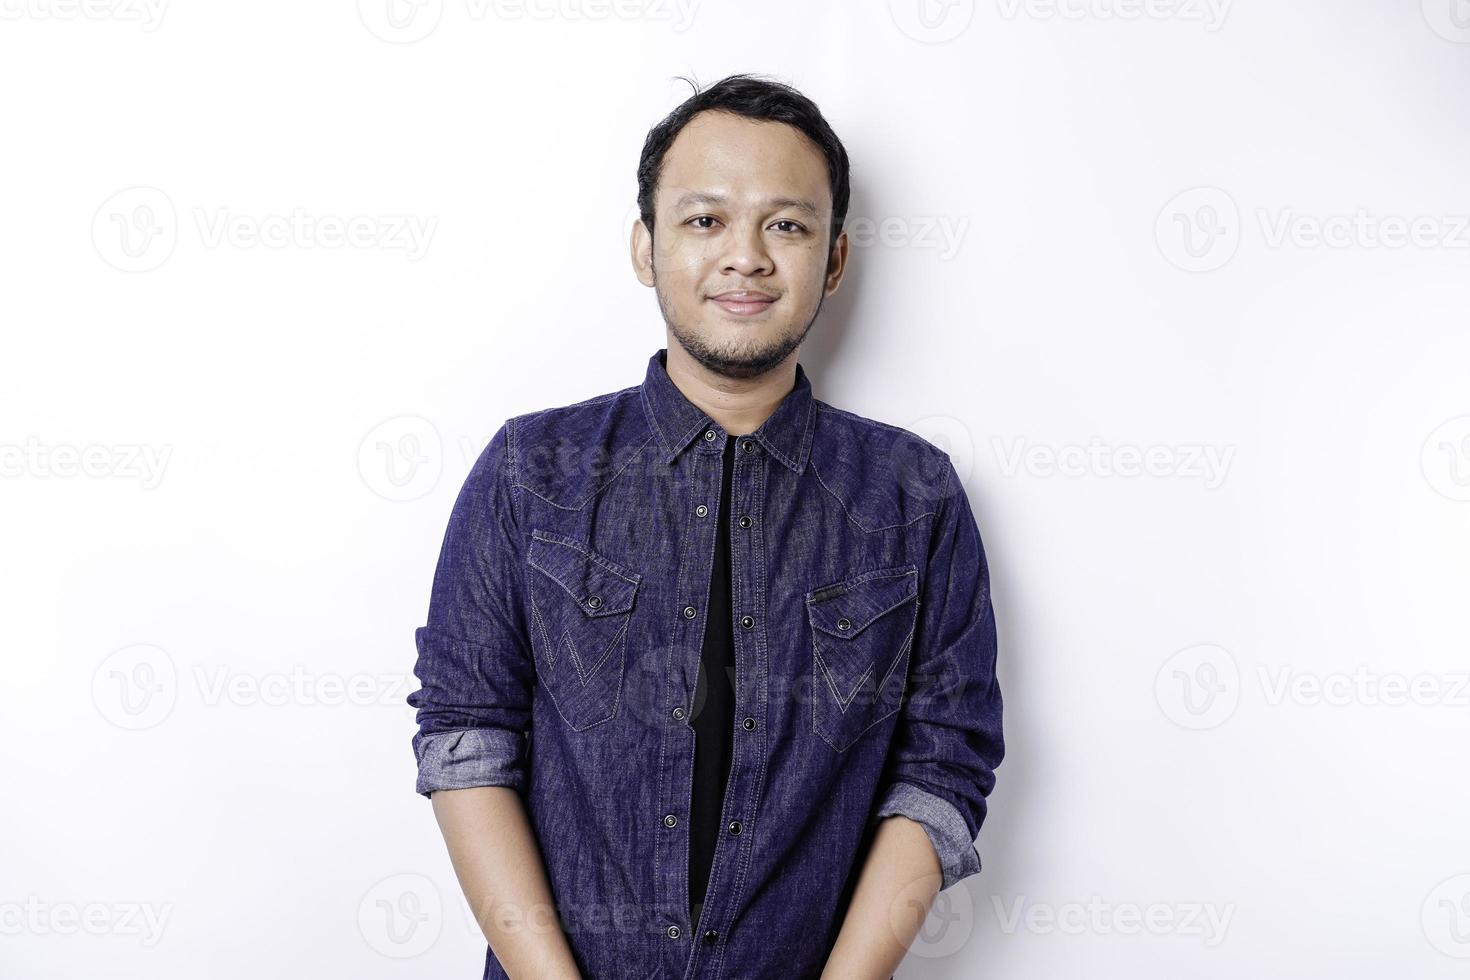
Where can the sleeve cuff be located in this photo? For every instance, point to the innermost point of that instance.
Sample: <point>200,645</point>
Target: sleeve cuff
<point>468,758</point>
<point>958,858</point>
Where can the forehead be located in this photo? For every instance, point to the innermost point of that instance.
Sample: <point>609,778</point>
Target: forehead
<point>746,160</point>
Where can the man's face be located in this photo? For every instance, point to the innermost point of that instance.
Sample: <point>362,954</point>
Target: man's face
<point>739,259</point>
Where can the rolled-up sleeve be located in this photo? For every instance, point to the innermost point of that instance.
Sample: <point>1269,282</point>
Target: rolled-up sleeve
<point>474,666</point>
<point>948,740</point>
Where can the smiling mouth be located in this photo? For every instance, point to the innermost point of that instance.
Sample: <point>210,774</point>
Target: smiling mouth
<point>743,304</point>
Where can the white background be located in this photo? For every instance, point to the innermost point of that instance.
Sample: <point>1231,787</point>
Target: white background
<point>1236,709</point>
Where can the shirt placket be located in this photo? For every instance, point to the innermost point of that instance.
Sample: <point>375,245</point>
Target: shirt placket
<point>701,955</point>
<point>747,760</point>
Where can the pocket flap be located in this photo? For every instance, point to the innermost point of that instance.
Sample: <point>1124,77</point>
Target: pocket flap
<point>844,609</point>
<point>599,586</point>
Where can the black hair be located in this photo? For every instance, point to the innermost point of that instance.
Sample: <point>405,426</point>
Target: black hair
<point>755,98</point>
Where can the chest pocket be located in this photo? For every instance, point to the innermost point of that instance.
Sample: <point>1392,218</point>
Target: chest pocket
<point>581,603</point>
<point>862,632</point>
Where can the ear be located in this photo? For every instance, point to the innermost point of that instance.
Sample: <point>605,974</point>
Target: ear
<point>640,250</point>
<point>836,264</point>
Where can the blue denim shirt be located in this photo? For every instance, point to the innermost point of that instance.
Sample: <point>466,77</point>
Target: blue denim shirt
<point>563,643</point>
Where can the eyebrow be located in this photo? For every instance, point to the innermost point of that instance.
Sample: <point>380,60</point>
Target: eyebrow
<point>774,203</point>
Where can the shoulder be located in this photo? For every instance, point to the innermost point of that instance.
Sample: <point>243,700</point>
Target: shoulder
<point>565,453</point>
<point>884,475</point>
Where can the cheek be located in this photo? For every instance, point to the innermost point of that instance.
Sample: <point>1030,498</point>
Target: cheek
<point>804,263</point>
<point>807,272</point>
<point>680,258</point>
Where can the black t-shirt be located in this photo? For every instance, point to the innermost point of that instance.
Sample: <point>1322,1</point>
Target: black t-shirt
<point>713,717</point>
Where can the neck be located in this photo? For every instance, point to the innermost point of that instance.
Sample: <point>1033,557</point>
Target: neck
<point>739,405</point>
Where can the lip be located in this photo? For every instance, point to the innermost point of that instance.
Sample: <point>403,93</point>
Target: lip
<point>743,302</point>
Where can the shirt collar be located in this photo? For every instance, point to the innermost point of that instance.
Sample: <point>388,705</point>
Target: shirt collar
<point>786,434</point>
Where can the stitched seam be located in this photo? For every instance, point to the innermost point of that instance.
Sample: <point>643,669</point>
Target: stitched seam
<point>905,648</point>
<point>583,673</point>
<point>592,495</point>
<point>808,427</point>
<point>760,780</point>
<point>831,681</point>
<point>551,537</point>
<point>854,634</point>
<point>595,491</point>
<point>854,582</point>
<point>859,578</point>
<point>652,417</point>
<point>852,520</point>
<point>688,434</point>
<point>664,775</point>
<point>863,420</point>
<point>584,403</point>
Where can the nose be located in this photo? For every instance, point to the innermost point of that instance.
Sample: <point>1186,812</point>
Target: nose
<point>745,252</point>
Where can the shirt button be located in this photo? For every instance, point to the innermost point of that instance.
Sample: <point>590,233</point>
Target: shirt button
<point>679,711</point>
<point>673,932</point>
<point>844,623</point>
<point>670,820</point>
<point>701,510</point>
<point>748,724</point>
<point>595,601</point>
<point>747,622</point>
<point>735,828</point>
<point>709,435</point>
<point>688,612</point>
<point>711,937</point>
<point>748,446</point>
<point>745,521</point>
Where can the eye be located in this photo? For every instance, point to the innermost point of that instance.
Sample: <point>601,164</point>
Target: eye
<point>702,217</point>
<point>794,226</point>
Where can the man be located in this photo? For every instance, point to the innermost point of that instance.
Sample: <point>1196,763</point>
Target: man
<point>692,641</point>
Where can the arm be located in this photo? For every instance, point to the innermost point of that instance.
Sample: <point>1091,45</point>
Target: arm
<point>895,888</point>
<point>946,747</point>
<point>499,867</point>
<point>477,679</point>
